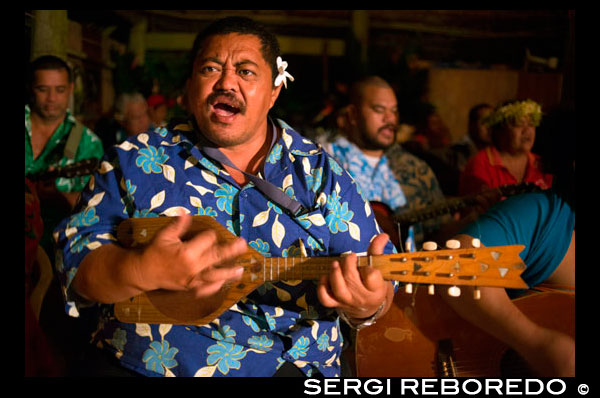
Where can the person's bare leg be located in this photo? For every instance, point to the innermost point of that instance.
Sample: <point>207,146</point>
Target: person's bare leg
<point>548,352</point>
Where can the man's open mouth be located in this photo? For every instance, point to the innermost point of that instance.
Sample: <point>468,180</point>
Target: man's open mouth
<point>223,109</point>
<point>225,105</point>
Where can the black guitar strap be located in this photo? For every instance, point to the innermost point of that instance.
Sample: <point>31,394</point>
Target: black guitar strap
<point>272,192</point>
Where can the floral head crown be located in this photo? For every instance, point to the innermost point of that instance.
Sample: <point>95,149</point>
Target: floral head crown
<point>515,111</point>
<point>283,75</point>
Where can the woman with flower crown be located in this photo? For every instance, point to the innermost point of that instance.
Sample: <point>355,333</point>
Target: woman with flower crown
<point>509,159</point>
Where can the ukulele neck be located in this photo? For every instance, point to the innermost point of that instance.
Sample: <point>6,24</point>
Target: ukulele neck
<point>485,266</point>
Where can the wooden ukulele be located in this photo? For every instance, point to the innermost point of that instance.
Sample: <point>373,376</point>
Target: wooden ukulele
<point>83,167</point>
<point>490,266</point>
<point>428,338</point>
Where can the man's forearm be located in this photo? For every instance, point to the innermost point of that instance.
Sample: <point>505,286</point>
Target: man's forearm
<point>108,275</point>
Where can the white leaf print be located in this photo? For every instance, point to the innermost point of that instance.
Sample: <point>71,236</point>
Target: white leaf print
<point>106,236</point>
<point>206,371</point>
<point>301,302</point>
<point>73,310</point>
<point>282,294</point>
<point>330,360</point>
<point>195,201</point>
<point>157,200</point>
<point>287,139</point>
<point>175,211</point>
<point>287,181</point>
<point>292,158</point>
<point>143,138</point>
<point>293,282</point>
<point>334,333</point>
<point>277,231</point>
<point>143,329</point>
<point>164,328</point>
<point>315,330</point>
<point>255,350</point>
<point>261,218</point>
<point>302,248</point>
<point>337,187</point>
<point>168,373</point>
<point>93,245</point>
<point>190,162</point>
<point>169,172</point>
<point>127,146</point>
<point>354,231</point>
<point>300,364</point>
<point>306,166</point>
<point>367,209</point>
<point>95,199</point>
<point>278,312</point>
<point>70,232</point>
<point>322,201</point>
<point>105,167</point>
<point>209,177</point>
<point>317,219</point>
<point>201,190</point>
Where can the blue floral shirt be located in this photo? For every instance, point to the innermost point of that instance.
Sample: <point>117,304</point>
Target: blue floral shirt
<point>378,183</point>
<point>156,174</point>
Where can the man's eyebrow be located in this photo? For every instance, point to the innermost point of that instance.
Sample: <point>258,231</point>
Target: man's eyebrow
<point>244,62</point>
<point>212,59</point>
<point>218,61</point>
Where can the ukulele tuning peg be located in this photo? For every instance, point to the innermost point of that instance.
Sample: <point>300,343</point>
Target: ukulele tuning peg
<point>476,243</point>
<point>453,244</point>
<point>408,288</point>
<point>431,290</point>
<point>430,246</point>
<point>477,293</point>
<point>454,291</point>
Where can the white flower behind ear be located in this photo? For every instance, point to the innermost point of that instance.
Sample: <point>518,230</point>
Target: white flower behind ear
<point>283,75</point>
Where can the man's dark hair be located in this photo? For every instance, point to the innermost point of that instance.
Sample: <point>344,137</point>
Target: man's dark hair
<point>474,111</point>
<point>244,26</point>
<point>357,87</point>
<point>46,62</point>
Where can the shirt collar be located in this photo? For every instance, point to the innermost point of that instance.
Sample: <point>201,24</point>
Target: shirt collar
<point>496,160</point>
<point>69,118</point>
<point>354,150</point>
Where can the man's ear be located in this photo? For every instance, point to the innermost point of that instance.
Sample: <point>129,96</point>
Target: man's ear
<point>352,114</point>
<point>274,94</point>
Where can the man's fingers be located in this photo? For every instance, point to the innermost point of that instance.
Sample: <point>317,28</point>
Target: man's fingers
<point>325,295</point>
<point>177,228</point>
<point>372,279</point>
<point>377,245</point>
<point>338,283</point>
<point>217,274</point>
<point>219,253</point>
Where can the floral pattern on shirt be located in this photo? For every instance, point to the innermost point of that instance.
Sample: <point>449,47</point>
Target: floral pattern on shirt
<point>377,183</point>
<point>89,147</point>
<point>162,173</point>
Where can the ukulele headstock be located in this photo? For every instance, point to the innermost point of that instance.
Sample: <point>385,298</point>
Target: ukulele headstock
<point>498,266</point>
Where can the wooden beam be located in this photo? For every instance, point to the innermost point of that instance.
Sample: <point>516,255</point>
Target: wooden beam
<point>288,44</point>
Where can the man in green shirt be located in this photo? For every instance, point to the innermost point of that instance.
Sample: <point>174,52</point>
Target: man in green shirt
<point>53,138</point>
